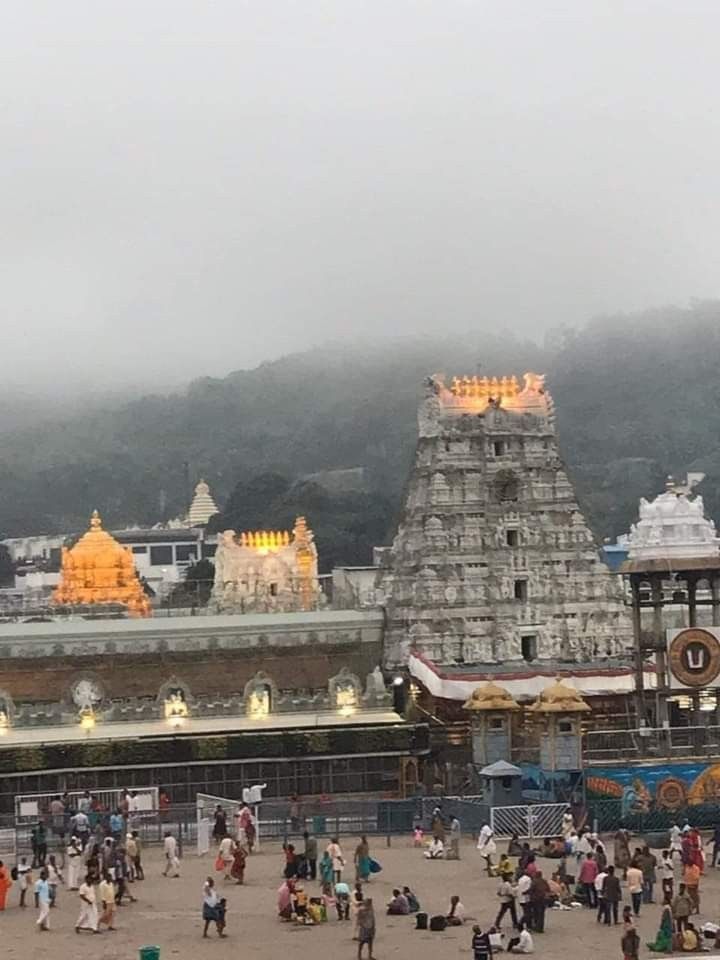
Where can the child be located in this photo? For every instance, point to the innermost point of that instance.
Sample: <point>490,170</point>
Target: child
<point>417,836</point>
<point>24,878</point>
<point>54,878</point>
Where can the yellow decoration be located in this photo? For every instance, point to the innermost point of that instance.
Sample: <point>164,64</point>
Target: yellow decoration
<point>559,698</point>
<point>490,697</point>
<point>98,570</point>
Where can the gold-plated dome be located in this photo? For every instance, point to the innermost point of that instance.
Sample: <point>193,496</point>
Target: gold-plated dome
<point>490,697</point>
<point>560,698</point>
<point>98,570</point>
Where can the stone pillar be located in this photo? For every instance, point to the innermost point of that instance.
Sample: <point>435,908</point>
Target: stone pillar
<point>639,656</point>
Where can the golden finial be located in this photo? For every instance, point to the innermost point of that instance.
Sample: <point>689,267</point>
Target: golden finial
<point>95,521</point>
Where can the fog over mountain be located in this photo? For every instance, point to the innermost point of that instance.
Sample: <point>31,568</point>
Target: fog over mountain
<point>192,188</point>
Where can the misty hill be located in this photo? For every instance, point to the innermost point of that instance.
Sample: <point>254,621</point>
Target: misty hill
<point>638,397</point>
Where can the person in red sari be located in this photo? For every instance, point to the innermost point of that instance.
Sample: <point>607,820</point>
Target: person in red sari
<point>237,871</point>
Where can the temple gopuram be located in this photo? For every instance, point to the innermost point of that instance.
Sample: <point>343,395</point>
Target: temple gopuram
<point>100,573</point>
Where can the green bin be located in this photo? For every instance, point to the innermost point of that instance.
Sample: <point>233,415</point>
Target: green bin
<point>149,953</point>
<point>319,825</point>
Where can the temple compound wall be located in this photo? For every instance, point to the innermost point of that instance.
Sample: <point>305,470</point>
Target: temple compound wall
<point>493,560</point>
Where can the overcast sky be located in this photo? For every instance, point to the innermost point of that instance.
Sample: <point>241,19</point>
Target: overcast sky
<point>189,187</point>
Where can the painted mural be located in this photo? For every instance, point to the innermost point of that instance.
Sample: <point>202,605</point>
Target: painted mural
<point>669,787</point>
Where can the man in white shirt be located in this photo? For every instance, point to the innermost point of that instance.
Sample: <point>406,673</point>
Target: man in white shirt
<point>81,826</point>
<point>171,858</point>
<point>42,900</point>
<point>599,881</point>
<point>522,943</point>
<point>88,919</point>
<point>523,896</point>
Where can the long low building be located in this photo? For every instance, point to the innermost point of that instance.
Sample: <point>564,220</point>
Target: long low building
<point>207,704</point>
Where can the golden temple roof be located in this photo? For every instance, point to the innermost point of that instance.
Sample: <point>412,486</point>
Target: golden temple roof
<point>560,698</point>
<point>490,697</point>
<point>98,570</point>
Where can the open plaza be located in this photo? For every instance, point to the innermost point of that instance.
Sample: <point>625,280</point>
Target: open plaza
<point>168,913</point>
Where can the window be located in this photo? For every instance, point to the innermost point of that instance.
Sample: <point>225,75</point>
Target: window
<point>185,551</point>
<point>512,538</point>
<point>528,646</point>
<point>161,556</point>
<point>565,726</point>
<point>521,591</point>
<point>498,448</point>
<point>273,589</point>
<point>497,723</point>
<point>139,549</point>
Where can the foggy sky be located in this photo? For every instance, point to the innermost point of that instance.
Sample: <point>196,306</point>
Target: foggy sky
<point>190,187</point>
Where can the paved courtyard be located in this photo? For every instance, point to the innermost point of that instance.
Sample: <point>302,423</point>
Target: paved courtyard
<point>168,914</point>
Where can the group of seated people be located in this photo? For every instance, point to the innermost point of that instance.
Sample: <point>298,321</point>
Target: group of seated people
<point>403,903</point>
<point>485,944</point>
<point>294,903</point>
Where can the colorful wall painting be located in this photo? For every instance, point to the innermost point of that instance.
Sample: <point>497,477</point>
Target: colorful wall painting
<point>668,786</point>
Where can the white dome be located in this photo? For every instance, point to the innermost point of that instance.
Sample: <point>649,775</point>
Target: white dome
<point>673,525</point>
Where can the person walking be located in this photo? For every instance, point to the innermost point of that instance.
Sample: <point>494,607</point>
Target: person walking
<point>54,878</point>
<point>42,900</point>
<point>539,893</point>
<point>366,928</point>
<point>213,910</point>
<point>621,855</point>
<point>107,894</point>
<point>599,886</point>
<point>667,872</point>
<point>523,896</point>
<point>630,942</point>
<point>681,908</point>
<point>220,824</point>
<point>226,854</point>
<point>507,894</point>
<point>172,862</point>
<point>362,861</point>
<point>648,865</point>
<point>338,860</point>
<point>663,939</point>
<point>691,877</point>
<point>73,857</point>
<point>311,851</point>
<point>586,878</point>
<point>612,895</point>
<point>88,918</point>
<point>133,848</point>
<point>5,884</point>
<point>24,876</point>
<point>635,886</point>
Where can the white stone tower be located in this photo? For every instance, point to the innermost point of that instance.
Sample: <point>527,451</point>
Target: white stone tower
<point>493,561</point>
<point>202,507</point>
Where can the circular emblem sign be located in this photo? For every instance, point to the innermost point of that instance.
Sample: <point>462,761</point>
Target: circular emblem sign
<point>694,657</point>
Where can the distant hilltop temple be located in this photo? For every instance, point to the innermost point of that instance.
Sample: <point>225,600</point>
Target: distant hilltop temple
<point>266,571</point>
<point>202,508</point>
<point>493,561</point>
<point>99,572</point>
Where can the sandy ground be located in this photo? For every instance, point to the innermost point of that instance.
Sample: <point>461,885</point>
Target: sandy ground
<point>168,914</point>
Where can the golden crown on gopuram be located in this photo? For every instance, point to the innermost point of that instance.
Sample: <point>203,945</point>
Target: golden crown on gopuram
<point>99,570</point>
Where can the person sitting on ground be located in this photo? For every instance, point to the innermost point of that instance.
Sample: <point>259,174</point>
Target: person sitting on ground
<point>300,903</point>
<point>436,850</point>
<point>285,897</point>
<point>504,867</point>
<point>456,912</point>
<point>690,940</point>
<point>413,902</point>
<point>398,906</point>
<point>523,942</point>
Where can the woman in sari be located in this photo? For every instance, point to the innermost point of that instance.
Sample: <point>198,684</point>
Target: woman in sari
<point>285,898</point>
<point>327,874</point>
<point>5,884</point>
<point>663,939</point>
<point>237,871</point>
<point>362,860</point>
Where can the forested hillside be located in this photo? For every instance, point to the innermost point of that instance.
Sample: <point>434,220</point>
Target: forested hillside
<point>637,397</point>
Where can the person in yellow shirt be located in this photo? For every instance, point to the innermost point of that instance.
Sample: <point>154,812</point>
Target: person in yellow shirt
<point>106,895</point>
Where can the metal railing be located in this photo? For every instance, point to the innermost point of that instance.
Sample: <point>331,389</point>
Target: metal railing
<point>617,746</point>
